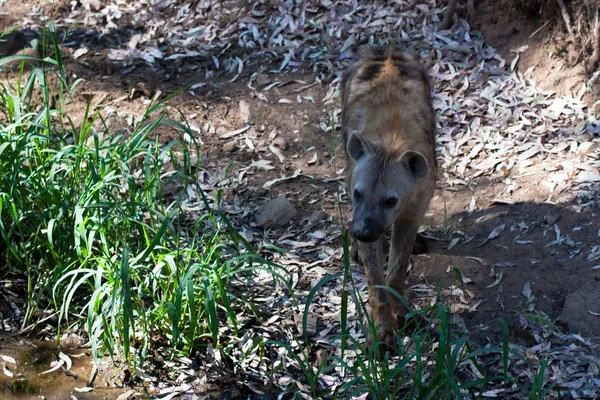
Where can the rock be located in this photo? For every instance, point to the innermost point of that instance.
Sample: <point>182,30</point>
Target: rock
<point>319,215</point>
<point>577,311</point>
<point>311,325</point>
<point>262,80</point>
<point>260,192</point>
<point>145,88</point>
<point>277,212</point>
<point>230,147</point>
<point>71,340</point>
<point>281,143</point>
<point>550,219</point>
<point>245,112</point>
<point>95,5</point>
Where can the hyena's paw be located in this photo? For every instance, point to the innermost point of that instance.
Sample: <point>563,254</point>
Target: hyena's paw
<point>407,326</point>
<point>385,337</point>
<point>399,312</point>
<point>384,324</point>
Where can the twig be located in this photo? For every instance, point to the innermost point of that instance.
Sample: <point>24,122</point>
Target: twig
<point>574,39</point>
<point>595,57</point>
<point>567,18</point>
<point>445,24</point>
<point>538,30</point>
<point>471,9</point>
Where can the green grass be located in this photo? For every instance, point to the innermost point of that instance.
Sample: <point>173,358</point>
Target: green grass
<point>84,219</point>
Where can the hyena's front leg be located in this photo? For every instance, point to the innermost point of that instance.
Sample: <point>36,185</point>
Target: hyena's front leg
<point>371,256</point>
<point>404,234</point>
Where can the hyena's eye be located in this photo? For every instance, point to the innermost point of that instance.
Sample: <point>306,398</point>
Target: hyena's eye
<point>390,202</point>
<point>357,195</point>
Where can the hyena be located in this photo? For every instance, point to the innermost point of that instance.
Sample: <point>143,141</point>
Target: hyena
<point>389,128</point>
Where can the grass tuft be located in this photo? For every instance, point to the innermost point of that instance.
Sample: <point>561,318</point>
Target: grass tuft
<point>84,218</point>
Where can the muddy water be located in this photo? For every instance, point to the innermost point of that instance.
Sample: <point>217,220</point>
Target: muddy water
<point>34,357</point>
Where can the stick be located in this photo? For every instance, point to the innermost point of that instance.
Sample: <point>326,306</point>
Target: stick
<point>471,9</point>
<point>595,57</point>
<point>445,24</point>
<point>538,30</point>
<point>567,18</point>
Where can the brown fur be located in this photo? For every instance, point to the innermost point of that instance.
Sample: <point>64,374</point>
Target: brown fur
<point>385,89</point>
<point>388,121</point>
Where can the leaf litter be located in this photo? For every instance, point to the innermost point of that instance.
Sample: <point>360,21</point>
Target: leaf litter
<point>491,117</point>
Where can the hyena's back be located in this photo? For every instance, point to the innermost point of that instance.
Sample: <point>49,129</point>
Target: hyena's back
<point>386,96</point>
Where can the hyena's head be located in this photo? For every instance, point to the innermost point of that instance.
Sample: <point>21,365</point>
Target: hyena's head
<point>381,185</point>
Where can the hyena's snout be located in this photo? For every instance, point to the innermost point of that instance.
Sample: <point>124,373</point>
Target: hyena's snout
<point>367,229</point>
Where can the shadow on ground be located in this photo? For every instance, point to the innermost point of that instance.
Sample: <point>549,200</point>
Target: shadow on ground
<point>540,258</point>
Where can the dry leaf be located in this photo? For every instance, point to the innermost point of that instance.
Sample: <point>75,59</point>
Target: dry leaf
<point>277,152</point>
<point>493,234</point>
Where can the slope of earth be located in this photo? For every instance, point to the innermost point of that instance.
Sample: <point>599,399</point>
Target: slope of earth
<point>533,34</point>
<point>516,209</point>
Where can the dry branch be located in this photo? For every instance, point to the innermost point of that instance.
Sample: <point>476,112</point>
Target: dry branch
<point>471,9</point>
<point>566,18</point>
<point>595,57</point>
<point>445,24</point>
<point>574,42</point>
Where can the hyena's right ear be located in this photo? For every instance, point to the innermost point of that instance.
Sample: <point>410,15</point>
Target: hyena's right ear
<point>357,146</point>
<point>416,163</point>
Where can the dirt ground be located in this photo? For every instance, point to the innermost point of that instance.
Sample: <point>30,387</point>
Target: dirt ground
<point>535,32</point>
<point>543,261</point>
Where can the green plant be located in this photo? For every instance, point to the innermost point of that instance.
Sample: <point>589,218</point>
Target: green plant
<point>84,217</point>
<point>538,389</point>
<point>447,224</point>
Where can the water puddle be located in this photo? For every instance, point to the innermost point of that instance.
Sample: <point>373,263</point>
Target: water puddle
<point>23,360</point>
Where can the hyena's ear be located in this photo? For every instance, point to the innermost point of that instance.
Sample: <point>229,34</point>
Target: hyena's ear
<point>357,146</point>
<point>416,163</point>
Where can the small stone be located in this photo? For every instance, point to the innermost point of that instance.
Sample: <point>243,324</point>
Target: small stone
<point>144,88</point>
<point>578,308</point>
<point>281,143</point>
<point>230,147</point>
<point>261,192</point>
<point>311,324</point>
<point>319,215</point>
<point>262,80</point>
<point>95,5</point>
<point>245,113</point>
<point>550,219</point>
<point>71,340</point>
<point>275,213</point>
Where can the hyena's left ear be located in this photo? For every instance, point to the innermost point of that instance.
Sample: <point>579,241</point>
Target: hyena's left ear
<point>416,163</point>
<point>357,146</point>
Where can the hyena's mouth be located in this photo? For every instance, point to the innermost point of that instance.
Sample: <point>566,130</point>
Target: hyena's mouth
<point>366,233</point>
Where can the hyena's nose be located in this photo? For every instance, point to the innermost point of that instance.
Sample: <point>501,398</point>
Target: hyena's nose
<point>364,236</point>
<point>367,231</point>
